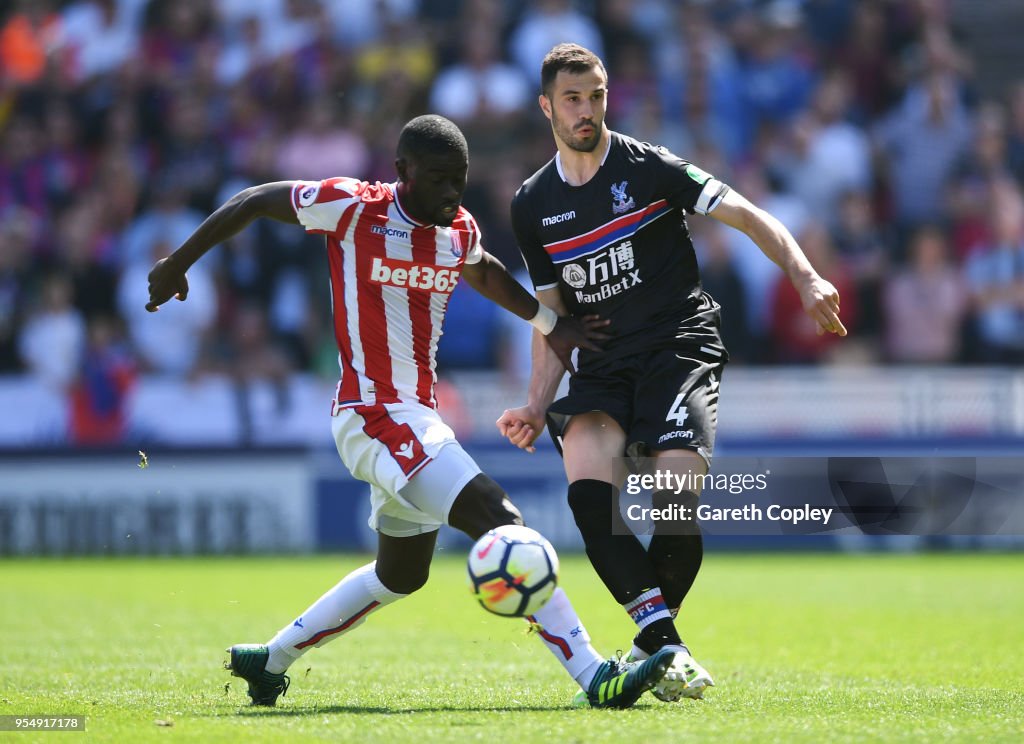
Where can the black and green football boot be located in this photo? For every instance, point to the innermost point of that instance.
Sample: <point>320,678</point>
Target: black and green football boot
<point>619,684</point>
<point>249,661</point>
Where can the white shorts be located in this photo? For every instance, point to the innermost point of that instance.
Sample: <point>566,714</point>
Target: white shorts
<point>410,458</point>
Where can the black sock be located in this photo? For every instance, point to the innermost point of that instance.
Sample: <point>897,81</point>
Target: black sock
<point>677,548</point>
<point>676,552</point>
<point>657,635</point>
<point>616,554</point>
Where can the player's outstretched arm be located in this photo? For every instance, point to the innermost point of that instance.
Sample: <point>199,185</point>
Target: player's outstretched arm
<point>820,299</point>
<point>167,279</point>
<point>489,277</point>
<point>522,425</point>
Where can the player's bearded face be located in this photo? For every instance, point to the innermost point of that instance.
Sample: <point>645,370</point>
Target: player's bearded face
<point>433,185</point>
<point>578,106</point>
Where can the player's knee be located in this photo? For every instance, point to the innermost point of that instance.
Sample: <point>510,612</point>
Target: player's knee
<point>481,506</point>
<point>403,579</point>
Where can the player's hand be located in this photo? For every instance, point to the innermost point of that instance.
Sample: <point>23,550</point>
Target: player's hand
<point>166,280</point>
<point>821,301</point>
<point>570,332</point>
<point>521,426</point>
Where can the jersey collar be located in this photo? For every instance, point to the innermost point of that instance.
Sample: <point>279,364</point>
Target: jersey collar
<point>402,213</point>
<point>558,158</point>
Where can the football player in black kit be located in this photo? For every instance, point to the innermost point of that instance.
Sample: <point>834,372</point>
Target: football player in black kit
<point>602,228</point>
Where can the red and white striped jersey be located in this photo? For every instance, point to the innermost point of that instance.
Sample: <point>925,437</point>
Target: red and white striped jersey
<point>391,278</point>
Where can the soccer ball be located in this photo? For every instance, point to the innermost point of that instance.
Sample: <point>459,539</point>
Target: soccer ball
<point>513,571</point>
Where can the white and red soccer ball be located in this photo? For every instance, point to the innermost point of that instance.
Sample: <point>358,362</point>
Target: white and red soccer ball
<point>513,571</point>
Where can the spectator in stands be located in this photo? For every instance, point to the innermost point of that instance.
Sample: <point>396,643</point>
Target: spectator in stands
<point>244,51</point>
<point>700,88</point>
<point>322,145</point>
<point>100,391</point>
<point>925,303</point>
<point>118,186</point>
<point>833,156</point>
<point>777,78</point>
<point>400,51</point>
<point>546,23</point>
<point>123,140</point>
<point>626,24</point>
<point>294,27</point>
<point>53,338</point>
<point>191,159</point>
<point>245,128</point>
<point>166,343</point>
<point>100,35</point>
<point>795,339</point>
<point>480,85</point>
<point>27,41</point>
<point>173,33</point>
<point>168,219</point>
<point>634,83</point>
<point>1015,145</point>
<point>867,60</point>
<point>995,274</point>
<point>921,141</point>
<point>361,22</point>
<point>864,256</point>
<point>970,186</point>
<point>22,166</point>
<point>86,253</point>
<point>252,354</point>
<point>17,230</point>
<point>66,165</point>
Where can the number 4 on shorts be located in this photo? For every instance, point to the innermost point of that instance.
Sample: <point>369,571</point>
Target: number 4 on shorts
<point>677,411</point>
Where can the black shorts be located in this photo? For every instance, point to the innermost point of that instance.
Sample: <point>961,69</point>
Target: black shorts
<point>664,399</point>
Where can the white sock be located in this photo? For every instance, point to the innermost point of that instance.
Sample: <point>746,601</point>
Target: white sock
<point>341,609</point>
<point>564,635</point>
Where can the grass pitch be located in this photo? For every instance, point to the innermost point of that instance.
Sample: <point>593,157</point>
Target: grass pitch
<point>803,648</point>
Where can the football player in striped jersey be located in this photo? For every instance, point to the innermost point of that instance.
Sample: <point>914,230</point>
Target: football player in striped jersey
<point>396,252</point>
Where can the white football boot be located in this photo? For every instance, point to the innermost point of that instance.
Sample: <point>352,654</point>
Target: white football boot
<point>684,679</point>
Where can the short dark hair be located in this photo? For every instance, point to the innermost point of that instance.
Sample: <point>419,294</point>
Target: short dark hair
<point>569,57</point>
<point>431,134</point>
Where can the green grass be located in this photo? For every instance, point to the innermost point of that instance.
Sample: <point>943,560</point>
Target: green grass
<point>803,648</point>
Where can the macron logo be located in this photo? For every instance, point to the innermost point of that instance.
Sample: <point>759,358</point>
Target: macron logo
<point>556,218</point>
<point>389,232</point>
<point>405,450</point>
<point>408,275</point>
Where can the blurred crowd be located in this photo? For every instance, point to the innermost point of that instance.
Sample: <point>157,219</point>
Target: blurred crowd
<point>123,123</point>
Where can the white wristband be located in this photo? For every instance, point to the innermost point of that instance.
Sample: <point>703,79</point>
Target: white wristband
<point>545,319</point>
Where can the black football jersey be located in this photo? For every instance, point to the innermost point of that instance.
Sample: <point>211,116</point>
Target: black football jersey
<point>618,246</point>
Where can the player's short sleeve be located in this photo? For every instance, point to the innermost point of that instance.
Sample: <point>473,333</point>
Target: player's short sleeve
<point>538,262</point>
<point>319,205</point>
<point>475,252</point>
<point>687,187</point>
